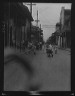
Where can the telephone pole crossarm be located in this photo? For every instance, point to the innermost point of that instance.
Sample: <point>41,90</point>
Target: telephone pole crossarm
<point>31,4</point>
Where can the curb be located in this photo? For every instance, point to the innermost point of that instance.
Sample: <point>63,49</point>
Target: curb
<point>65,49</point>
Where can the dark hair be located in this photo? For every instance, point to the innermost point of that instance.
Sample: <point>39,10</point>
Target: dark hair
<point>25,64</point>
<point>22,62</point>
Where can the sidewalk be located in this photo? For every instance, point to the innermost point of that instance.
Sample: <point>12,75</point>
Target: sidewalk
<point>66,49</point>
<point>26,53</point>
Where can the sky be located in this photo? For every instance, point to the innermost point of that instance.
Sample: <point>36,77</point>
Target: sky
<point>48,14</point>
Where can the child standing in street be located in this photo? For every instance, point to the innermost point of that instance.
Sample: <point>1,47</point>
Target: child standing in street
<point>55,50</point>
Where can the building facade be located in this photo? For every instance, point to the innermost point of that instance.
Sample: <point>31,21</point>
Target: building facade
<point>65,21</point>
<point>16,21</point>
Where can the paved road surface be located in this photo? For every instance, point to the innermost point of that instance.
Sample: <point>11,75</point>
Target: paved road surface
<point>53,74</point>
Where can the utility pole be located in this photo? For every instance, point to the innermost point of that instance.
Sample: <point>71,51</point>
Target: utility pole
<point>31,8</point>
<point>37,24</point>
<point>40,26</point>
<point>37,19</point>
<point>31,15</point>
<point>40,33</point>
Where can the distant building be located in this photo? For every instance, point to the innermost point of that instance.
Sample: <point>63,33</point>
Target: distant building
<point>58,34</point>
<point>55,38</point>
<point>36,34</point>
<point>65,30</point>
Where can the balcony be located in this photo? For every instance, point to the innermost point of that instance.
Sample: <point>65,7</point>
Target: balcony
<point>67,28</point>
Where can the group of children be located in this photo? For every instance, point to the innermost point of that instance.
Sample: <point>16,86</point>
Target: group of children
<point>50,49</point>
<point>32,47</point>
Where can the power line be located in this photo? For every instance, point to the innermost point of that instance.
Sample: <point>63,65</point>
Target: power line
<point>48,26</point>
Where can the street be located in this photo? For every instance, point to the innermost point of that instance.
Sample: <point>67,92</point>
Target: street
<point>53,73</point>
